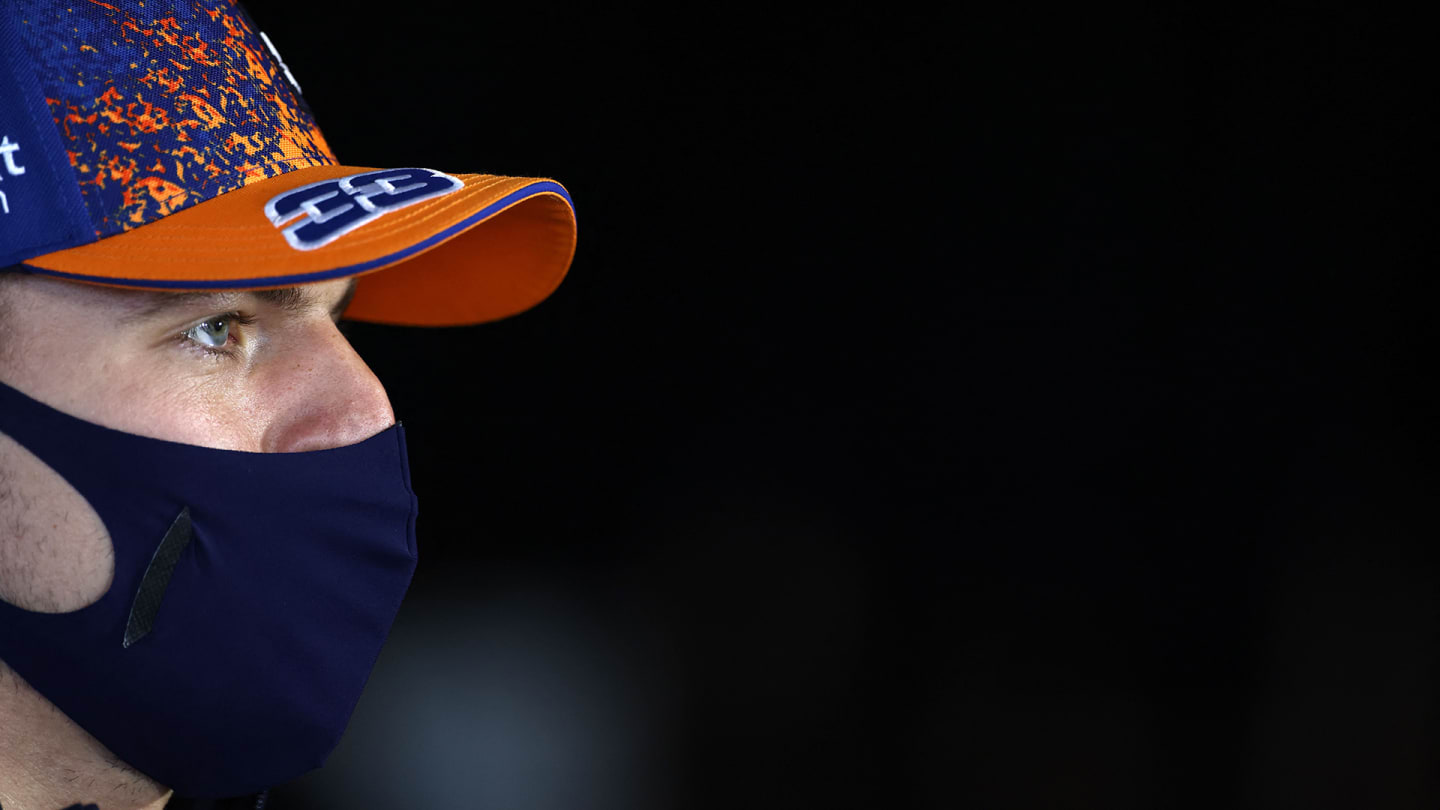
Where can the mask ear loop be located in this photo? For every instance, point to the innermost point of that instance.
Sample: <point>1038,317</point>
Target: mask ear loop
<point>53,533</point>
<point>78,451</point>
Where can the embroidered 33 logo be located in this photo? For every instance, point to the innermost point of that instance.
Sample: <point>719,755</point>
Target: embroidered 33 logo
<point>330,209</point>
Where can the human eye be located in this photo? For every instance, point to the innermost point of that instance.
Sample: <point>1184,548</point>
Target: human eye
<point>218,334</point>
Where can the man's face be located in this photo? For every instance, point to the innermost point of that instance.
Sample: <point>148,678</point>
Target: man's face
<point>258,371</point>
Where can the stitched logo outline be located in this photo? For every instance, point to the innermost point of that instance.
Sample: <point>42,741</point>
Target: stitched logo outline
<point>329,209</point>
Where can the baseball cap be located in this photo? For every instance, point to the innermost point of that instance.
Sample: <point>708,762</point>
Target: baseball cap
<point>165,145</point>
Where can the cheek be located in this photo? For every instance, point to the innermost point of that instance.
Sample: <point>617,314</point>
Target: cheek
<point>168,400</point>
<point>219,411</point>
<point>55,555</point>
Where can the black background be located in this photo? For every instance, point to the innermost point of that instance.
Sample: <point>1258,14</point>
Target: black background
<point>996,409</point>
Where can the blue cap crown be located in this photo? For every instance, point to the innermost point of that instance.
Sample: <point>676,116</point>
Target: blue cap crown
<point>114,118</point>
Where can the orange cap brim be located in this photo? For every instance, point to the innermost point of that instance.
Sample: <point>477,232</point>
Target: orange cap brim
<point>495,247</point>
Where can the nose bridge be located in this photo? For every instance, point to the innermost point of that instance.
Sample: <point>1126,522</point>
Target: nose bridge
<point>326,396</point>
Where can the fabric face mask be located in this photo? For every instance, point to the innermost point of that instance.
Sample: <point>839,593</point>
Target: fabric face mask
<point>251,596</point>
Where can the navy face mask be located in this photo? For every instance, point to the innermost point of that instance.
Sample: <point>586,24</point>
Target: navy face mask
<point>252,594</point>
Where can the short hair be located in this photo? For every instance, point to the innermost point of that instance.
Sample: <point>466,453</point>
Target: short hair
<point>6,278</point>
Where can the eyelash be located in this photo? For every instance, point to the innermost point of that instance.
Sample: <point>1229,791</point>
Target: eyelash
<point>235,319</point>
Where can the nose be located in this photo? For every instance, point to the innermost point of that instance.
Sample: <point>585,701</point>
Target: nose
<point>323,394</point>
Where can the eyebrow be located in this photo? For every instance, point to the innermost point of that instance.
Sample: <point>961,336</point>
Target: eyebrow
<point>144,305</point>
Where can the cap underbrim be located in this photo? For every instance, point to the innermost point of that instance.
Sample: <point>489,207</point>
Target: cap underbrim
<point>493,248</point>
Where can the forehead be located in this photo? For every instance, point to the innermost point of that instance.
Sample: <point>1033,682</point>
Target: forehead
<point>127,305</point>
<point>146,304</point>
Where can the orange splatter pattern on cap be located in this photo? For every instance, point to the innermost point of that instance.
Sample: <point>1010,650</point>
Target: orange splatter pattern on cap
<point>165,105</point>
